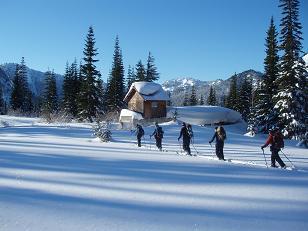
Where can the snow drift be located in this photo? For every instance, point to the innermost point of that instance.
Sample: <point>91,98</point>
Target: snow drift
<point>201,115</point>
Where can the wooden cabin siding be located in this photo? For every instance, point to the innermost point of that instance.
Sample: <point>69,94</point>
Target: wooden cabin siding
<point>157,111</point>
<point>136,103</point>
<point>147,110</point>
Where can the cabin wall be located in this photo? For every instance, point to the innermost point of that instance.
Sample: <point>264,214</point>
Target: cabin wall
<point>136,103</point>
<point>155,109</point>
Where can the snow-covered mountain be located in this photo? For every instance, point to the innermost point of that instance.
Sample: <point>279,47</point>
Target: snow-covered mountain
<point>35,80</point>
<point>177,86</point>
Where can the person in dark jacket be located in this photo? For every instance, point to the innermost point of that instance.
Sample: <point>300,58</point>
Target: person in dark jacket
<point>158,135</point>
<point>139,133</point>
<point>191,133</point>
<point>220,136</point>
<point>186,138</point>
<point>273,136</point>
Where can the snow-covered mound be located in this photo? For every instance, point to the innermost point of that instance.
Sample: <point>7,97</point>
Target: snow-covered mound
<point>125,113</point>
<point>146,88</point>
<point>200,115</point>
<point>148,91</point>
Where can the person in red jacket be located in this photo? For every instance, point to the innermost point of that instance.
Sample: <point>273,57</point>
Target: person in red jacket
<point>275,139</point>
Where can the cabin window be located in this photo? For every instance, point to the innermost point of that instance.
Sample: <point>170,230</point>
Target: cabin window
<point>154,104</point>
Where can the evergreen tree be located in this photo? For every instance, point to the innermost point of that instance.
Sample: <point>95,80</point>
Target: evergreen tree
<point>50,98</point>
<point>245,98</point>
<point>16,95</point>
<point>116,87</point>
<point>90,100</point>
<point>2,103</point>
<point>130,77</point>
<point>151,71</point>
<point>291,99</point>
<point>254,116</point>
<point>71,86</point>
<point>265,113</point>
<point>27,106</point>
<point>223,101</point>
<point>193,97</point>
<point>21,96</point>
<point>186,98</point>
<point>211,99</point>
<point>140,72</point>
<point>232,100</point>
<point>201,100</point>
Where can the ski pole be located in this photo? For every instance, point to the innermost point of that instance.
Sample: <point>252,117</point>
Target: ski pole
<point>150,143</point>
<point>264,158</point>
<point>293,166</point>
<point>194,148</point>
<point>180,146</point>
<point>212,150</point>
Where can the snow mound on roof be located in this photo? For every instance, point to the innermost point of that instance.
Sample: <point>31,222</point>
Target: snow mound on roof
<point>128,113</point>
<point>200,115</point>
<point>147,88</point>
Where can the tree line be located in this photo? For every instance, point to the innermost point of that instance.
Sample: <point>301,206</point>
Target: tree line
<point>280,97</point>
<point>84,96</point>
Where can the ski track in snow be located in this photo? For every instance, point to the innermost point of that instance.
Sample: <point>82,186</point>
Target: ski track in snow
<point>59,177</point>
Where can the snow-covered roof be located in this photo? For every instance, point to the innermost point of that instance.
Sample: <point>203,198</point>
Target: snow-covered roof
<point>132,114</point>
<point>148,91</point>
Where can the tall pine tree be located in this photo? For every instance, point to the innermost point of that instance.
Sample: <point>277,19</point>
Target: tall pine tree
<point>245,98</point>
<point>193,97</point>
<point>2,102</point>
<point>186,101</point>
<point>116,86</point>
<point>21,96</point>
<point>201,102</point>
<point>90,100</point>
<point>71,86</point>
<point>211,99</point>
<point>151,71</point>
<point>265,114</point>
<point>130,77</point>
<point>291,99</point>
<point>232,99</point>
<point>50,98</point>
<point>140,72</point>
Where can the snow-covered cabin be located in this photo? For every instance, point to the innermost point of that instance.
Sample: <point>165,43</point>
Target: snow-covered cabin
<point>147,98</point>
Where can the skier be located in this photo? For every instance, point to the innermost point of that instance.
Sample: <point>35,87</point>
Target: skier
<point>158,135</point>
<point>186,138</point>
<point>220,136</point>
<point>190,132</point>
<point>275,138</point>
<point>139,133</point>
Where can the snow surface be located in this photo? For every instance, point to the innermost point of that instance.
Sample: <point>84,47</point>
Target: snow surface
<point>149,91</point>
<point>59,177</point>
<point>129,113</point>
<point>200,115</point>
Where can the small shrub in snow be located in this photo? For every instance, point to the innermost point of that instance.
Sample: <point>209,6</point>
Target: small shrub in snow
<point>101,130</point>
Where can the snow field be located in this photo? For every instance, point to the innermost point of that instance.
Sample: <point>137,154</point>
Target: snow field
<point>55,177</point>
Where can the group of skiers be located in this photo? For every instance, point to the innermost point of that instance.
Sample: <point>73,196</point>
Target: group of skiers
<point>275,139</point>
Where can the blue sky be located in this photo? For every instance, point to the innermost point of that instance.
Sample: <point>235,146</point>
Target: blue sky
<point>203,39</point>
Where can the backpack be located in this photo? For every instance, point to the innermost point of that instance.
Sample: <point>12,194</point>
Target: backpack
<point>140,131</point>
<point>190,132</point>
<point>222,135</point>
<point>278,142</point>
<point>160,132</point>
